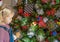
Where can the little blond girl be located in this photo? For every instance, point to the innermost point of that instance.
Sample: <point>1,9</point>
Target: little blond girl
<point>5,18</point>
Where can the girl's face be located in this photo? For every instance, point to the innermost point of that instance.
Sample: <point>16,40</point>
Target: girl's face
<point>8,19</point>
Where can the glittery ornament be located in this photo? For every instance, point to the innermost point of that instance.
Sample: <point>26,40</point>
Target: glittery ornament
<point>58,13</point>
<point>38,8</point>
<point>45,19</point>
<point>58,23</point>
<point>40,11</point>
<point>40,38</point>
<point>40,35</point>
<point>19,17</point>
<point>33,26</point>
<point>55,41</point>
<point>32,29</point>
<point>54,33</point>
<point>41,22</point>
<point>37,4</point>
<point>51,25</point>
<point>28,8</point>
<point>30,34</point>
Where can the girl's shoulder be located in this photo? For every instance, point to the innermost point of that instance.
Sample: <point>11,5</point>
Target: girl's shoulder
<point>7,26</point>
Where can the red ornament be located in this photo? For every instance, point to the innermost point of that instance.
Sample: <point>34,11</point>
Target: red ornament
<point>59,38</point>
<point>35,22</point>
<point>48,12</point>
<point>58,32</point>
<point>46,40</point>
<point>41,23</point>
<point>53,2</point>
<point>26,14</point>
<point>52,11</point>
<point>24,27</point>
<point>55,20</point>
<point>20,11</point>
<point>50,32</point>
<point>44,1</point>
<point>41,18</point>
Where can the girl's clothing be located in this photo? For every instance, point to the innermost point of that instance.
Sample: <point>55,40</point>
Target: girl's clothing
<point>4,35</point>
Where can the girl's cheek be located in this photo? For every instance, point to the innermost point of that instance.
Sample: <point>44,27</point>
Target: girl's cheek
<point>8,19</point>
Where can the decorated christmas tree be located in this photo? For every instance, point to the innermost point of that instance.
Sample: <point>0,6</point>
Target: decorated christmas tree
<point>37,21</point>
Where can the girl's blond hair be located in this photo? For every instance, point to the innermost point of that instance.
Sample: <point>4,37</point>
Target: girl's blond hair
<point>5,12</point>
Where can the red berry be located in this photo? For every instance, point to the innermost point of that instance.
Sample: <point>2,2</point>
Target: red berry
<point>53,2</point>
<point>24,27</point>
<point>20,11</point>
<point>44,1</point>
<point>52,11</point>
<point>41,17</point>
<point>50,33</point>
<point>41,23</point>
<point>26,14</point>
<point>59,38</point>
<point>56,20</point>
<point>46,40</point>
<point>48,13</point>
<point>58,32</point>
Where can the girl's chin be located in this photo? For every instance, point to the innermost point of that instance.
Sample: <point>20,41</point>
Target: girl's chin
<point>8,23</point>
